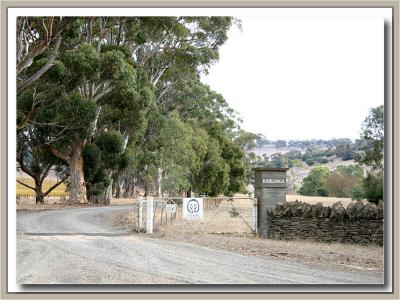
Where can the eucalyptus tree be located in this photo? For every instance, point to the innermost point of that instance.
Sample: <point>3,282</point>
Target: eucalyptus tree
<point>39,42</point>
<point>35,160</point>
<point>216,166</point>
<point>52,125</point>
<point>118,71</point>
<point>221,123</point>
<point>82,75</point>
<point>168,49</point>
<point>34,36</point>
<point>372,131</point>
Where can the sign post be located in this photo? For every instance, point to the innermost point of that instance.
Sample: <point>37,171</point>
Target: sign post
<point>269,189</point>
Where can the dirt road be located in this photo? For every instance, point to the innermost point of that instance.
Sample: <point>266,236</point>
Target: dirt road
<point>83,245</point>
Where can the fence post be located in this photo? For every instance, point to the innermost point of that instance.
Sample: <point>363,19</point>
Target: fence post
<point>149,213</point>
<point>140,213</point>
<point>255,215</point>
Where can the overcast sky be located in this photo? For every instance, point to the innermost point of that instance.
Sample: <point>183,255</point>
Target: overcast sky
<point>302,77</point>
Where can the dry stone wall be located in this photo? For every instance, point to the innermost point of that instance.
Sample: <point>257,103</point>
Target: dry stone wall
<point>358,223</point>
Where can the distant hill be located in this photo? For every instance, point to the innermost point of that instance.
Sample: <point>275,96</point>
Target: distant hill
<point>302,156</point>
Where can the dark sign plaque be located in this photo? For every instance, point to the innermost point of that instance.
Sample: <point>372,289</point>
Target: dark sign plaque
<point>269,189</point>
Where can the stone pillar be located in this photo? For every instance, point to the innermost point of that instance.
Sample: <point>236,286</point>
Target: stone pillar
<point>269,189</point>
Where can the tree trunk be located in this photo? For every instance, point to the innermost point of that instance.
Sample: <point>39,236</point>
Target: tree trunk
<point>127,187</point>
<point>189,193</point>
<point>118,190</point>
<point>120,184</point>
<point>132,191</point>
<point>39,195</point>
<point>77,179</point>
<point>105,197</point>
<point>108,194</point>
<point>159,182</point>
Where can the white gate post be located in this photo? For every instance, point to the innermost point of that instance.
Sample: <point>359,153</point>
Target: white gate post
<point>140,213</point>
<point>149,213</point>
<point>255,215</point>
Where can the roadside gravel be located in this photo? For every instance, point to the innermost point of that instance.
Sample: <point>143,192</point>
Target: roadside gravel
<point>84,245</point>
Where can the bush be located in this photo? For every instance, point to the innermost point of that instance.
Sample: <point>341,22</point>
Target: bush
<point>314,183</point>
<point>373,188</point>
<point>348,155</point>
<point>323,192</point>
<point>322,160</point>
<point>329,152</point>
<point>358,193</point>
<point>310,162</point>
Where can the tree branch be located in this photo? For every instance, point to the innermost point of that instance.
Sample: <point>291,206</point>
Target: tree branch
<point>59,155</point>
<point>103,93</point>
<point>39,48</point>
<point>54,186</point>
<point>23,85</point>
<point>23,167</point>
<point>28,186</point>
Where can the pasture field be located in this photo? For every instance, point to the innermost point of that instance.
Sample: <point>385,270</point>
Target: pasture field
<point>24,191</point>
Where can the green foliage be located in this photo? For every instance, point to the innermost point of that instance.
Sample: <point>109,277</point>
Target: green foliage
<point>83,64</point>
<point>322,192</point>
<point>322,160</point>
<point>373,188</point>
<point>314,183</point>
<point>110,145</point>
<point>372,130</point>
<point>93,161</point>
<point>213,178</point>
<point>348,155</point>
<point>101,157</point>
<point>233,155</point>
<point>124,50</point>
<point>310,162</point>
<point>177,180</point>
<point>342,182</point>
<point>294,154</point>
<point>114,66</point>
<point>129,89</point>
<point>358,192</point>
<point>372,155</point>
<point>352,171</point>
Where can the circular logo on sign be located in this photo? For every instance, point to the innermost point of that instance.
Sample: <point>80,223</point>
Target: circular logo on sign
<point>193,206</point>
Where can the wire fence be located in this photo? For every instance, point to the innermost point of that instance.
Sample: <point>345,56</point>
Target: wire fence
<point>220,215</point>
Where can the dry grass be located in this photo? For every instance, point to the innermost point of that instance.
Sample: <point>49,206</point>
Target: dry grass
<point>217,218</point>
<point>326,201</point>
<point>24,191</point>
<point>368,258</point>
<point>51,202</point>
<point>123,201</point>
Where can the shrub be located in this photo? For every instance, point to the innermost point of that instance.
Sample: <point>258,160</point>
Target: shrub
<point>348,155</point>
<point>323,192</point>
<point>322,160</point>
<point>310,162</point>
<point>373,188</point>
<point>358,193</point>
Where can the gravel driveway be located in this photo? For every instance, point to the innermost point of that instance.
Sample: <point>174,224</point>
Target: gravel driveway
<point>83,245</point>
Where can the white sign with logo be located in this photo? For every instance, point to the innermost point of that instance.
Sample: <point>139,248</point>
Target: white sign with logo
<point>192,208</point>
<point>170,208</point>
